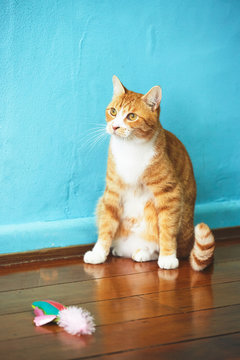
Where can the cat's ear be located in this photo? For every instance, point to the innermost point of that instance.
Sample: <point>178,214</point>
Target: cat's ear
<point>118,88</point>
<point>153,97</point>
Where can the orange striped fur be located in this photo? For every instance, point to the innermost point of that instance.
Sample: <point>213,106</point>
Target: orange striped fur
<point>147,209</point>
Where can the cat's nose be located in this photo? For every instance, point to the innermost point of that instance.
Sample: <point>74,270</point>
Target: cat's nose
<point>115,127</point>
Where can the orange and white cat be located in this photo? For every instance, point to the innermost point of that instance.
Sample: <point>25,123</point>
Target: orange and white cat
<point>147,209</point>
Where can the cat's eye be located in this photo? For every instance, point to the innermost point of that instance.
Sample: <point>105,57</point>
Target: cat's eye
<point>132,116</point>
<point>113,112</point>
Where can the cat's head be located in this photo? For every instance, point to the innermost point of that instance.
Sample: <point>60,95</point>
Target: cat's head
<point>131,115</point>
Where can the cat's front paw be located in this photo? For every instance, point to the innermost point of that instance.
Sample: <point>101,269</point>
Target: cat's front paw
<point>96,256</point>
<point>168,262</point>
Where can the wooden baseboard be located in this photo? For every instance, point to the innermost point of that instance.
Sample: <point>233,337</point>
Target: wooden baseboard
<point>72,252</point>
<point>227,233</point>
<point>44,255</point>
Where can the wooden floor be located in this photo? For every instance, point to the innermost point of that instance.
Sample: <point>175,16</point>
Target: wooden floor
<point>141,312</point>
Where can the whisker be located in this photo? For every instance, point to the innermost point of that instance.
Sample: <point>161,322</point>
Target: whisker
<point>94,137</point>
<point>93,132</point>
<point>91,135</point>
<point>97,141</point>
<point>97,124</point>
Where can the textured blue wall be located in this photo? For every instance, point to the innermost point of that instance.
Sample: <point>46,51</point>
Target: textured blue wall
<point>57,60</point>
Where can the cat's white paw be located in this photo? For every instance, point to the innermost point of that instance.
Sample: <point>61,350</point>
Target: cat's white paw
<point>144,255</point>
<point>96,256</point>
<point>168,262</point>
<point>116,252</point>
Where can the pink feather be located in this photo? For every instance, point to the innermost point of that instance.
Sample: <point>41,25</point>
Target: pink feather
<point>76,321</point>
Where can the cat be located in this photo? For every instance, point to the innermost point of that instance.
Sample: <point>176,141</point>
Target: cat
<point>147,209</point>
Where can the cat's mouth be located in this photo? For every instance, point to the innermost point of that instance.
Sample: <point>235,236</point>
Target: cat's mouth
<point>118,131</point>
<point>121,132</point>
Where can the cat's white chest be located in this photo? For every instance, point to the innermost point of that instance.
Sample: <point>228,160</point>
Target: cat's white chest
<point>131,158</point>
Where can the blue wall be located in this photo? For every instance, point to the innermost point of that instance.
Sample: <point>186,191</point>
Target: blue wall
<point>57,59</point>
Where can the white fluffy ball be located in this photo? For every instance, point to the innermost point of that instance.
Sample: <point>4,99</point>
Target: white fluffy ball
<point>76,321</point>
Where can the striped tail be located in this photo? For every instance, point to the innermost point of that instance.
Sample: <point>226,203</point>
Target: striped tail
<point>203,250</point>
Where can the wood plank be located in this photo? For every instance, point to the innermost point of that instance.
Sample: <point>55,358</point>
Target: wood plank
<point>38,275</point>
<point>60,272</point>
<point>104,313</point>
<point>135,308</point>
<point>138,308</point>
<point>199,298</point>
<point>224,347</point>
<point>227,233</point>
<point>125,336</point>
<point>120,286</point>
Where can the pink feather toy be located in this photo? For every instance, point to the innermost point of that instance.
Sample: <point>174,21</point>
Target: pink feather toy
<point>73,319</point>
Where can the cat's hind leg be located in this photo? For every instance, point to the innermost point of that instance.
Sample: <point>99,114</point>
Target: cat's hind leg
<point>141,255</point>
<point>148,248</point>
<point>117,252</point>
<point>136,248</point>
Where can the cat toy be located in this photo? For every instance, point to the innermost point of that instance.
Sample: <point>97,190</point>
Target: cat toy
<point>74,320</point>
